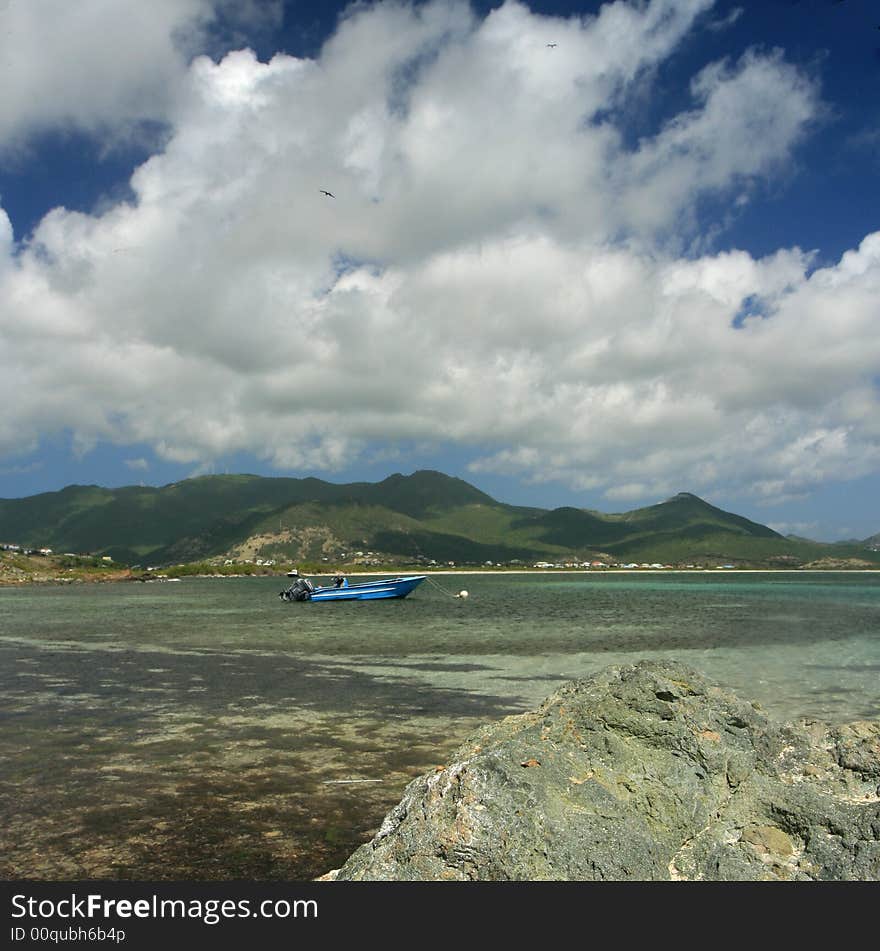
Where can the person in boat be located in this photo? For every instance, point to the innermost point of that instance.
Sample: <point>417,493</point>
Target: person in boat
<point>339,581</point>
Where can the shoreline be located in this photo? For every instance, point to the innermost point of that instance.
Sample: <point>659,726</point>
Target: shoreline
<point>612,571</point>
<point>392,572</point>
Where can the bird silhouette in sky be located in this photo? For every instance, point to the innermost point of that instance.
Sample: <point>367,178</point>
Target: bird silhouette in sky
<point>324,192</point>
<point>551,45</point>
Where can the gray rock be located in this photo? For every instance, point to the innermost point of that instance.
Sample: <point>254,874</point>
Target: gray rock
<point>642,772</point>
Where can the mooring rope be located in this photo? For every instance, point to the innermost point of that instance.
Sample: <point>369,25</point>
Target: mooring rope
<point>461,594</point>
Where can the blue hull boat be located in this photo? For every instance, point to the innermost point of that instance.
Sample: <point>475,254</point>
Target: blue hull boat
<point>303,589</point>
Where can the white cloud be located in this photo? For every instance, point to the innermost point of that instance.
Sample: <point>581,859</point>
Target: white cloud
<point>716,26</point>
<point>496,269</point>
<point>92,64</point>
<point>747,120</point>
<point>105,66</point>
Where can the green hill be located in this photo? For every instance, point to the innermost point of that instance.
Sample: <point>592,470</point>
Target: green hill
<point>407,519</point>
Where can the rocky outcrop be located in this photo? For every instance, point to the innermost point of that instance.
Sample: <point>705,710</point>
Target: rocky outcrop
<point>838,564</point>
<point>639,773</point>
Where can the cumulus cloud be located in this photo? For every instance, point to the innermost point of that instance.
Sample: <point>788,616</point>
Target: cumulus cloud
<point>106,66</point>
<point>747,119</point>
<point>495,271</point>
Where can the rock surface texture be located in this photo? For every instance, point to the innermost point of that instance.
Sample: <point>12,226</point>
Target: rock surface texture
<point>645,772</point>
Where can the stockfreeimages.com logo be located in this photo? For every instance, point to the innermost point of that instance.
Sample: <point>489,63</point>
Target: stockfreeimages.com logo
<point>210,911</point>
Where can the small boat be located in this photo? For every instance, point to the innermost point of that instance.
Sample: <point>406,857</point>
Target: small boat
<point>342,590</point>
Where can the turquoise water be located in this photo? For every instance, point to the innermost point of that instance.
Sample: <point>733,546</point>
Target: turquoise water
<point>207,730</point>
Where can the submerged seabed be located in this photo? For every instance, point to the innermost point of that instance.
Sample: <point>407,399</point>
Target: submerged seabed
<point>207,730</point>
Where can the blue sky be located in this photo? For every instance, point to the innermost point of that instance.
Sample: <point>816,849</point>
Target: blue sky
<point>578,254</point>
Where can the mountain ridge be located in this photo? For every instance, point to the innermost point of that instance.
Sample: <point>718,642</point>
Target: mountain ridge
<point>426,516</point>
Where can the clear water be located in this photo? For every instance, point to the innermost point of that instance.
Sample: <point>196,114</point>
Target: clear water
<point>207,730</point>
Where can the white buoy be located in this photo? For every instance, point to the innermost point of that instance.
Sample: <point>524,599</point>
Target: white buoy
<point>462,594</point>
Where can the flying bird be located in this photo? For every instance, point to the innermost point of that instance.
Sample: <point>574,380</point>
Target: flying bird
<point>551,45</point>
<point>328,194</point>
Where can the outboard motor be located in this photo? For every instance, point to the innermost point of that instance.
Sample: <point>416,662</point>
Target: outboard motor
<point>300,590</point>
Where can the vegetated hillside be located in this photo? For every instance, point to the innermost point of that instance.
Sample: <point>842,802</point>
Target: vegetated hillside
<point>211,515</point>
<point>687,509</point>
<point>419,518</point>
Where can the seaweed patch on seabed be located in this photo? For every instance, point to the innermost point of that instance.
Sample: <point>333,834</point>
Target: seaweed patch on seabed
<point>255,803</point>
<point>268,785</point>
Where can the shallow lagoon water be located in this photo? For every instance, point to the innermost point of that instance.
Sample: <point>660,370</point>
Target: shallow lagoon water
<point>206,730</point>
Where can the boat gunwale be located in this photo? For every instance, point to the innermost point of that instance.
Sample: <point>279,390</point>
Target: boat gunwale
<point>370,584</point>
